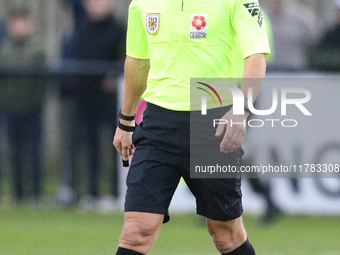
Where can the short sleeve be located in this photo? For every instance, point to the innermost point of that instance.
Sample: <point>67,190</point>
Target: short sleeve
<point>249,25</point>
<point>136,43</point>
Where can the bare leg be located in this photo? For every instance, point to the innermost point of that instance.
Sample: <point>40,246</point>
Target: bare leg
<point>140,231</point>
<point>227,235</point>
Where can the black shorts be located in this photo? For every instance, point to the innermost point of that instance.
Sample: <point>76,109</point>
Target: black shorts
<point>162,157</point>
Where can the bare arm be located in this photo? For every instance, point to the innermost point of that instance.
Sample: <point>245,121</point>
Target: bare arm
<point>136,74</point>
<point>254,72</point>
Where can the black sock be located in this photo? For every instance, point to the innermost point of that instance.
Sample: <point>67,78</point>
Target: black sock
<point>245,249</point>
<point>123,251</point>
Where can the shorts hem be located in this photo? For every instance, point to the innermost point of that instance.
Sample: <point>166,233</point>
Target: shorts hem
<point>165,213</point>
<point>220,218</point>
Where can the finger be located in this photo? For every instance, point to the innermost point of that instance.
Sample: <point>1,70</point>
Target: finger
<point>132,149</point>
<point>220,129</point>
<point>241,133</point>
<point>225,144</point>
<point>125,151</point>
<point>118,146</point>
<point>131,152</point>
<point>242,139</point>
<point>232,145</point>
<point>236,143</point>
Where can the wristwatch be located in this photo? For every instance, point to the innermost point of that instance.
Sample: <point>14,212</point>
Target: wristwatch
<point>246,107</point>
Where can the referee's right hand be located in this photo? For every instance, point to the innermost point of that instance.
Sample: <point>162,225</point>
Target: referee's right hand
<point>233,134</point>
<point>123,140</point>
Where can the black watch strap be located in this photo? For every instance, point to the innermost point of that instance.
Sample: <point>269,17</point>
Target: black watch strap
<point>124,117</point>
<point>126,128</point>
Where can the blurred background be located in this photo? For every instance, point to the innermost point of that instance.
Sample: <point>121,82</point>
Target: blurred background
<point>61,182</point>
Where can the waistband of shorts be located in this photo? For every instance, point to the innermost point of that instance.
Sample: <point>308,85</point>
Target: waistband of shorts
<point>157,108</point>
<point>168,111</point>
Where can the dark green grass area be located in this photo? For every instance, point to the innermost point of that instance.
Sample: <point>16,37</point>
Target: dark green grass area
<point>27,231</point>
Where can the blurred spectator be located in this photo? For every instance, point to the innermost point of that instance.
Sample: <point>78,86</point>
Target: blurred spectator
<point>66,194</point>
<point>292,34</point>
<point>2,129</point>
<point>78,11</point>
<point>325,54</point>
<point>2,29</point>
<point>102,39</point>
<point>21,101</point>
<point>2,36</point>
<point>79,20</point>
<point>332,35</point>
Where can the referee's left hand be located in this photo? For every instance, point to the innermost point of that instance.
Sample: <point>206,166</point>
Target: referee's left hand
<point>233,133</point>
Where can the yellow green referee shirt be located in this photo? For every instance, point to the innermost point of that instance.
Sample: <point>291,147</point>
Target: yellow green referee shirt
<point>191,39</point>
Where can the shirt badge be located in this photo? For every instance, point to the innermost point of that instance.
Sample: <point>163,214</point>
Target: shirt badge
<point>152,23</point>
<point>254,10</point>
<point>199,23</point>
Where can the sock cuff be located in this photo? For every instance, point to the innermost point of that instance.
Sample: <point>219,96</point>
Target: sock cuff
<point>245,249</point>
<point>123,251</point>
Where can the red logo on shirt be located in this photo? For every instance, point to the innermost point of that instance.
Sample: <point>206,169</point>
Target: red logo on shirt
<point>199,22</point>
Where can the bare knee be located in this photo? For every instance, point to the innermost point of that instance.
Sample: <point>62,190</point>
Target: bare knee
<point>140,231</point>
<point>227,235</point>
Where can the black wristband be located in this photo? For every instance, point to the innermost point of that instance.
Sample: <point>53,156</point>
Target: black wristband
<point>124,117</point>
<point>126,128</point>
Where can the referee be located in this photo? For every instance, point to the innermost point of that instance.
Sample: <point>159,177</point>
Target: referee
<point>169,42</point>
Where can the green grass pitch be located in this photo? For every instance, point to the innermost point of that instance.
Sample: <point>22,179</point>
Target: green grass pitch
<point>25,231</point>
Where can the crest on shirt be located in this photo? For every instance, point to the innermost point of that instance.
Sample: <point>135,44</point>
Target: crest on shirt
<point>152,23</point>
<point>255,11</point>
<point>199,24</point>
